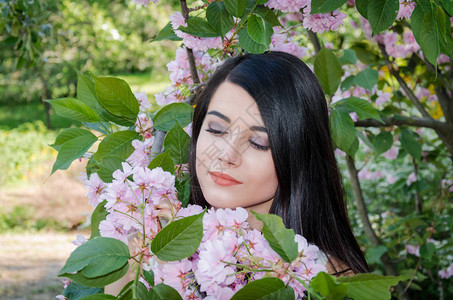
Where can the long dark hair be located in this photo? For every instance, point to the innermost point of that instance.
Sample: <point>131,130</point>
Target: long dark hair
<point>309,197</point>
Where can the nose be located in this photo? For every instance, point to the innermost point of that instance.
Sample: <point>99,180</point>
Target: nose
<point>230,156</point>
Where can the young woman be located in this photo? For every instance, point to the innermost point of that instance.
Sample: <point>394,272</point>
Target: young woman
<point>261,140</point>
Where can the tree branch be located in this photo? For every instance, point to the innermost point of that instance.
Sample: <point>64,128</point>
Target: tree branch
<point>193,66</point>
<point>409,121</point>
<point>409,93</point>
<point>314,40</point>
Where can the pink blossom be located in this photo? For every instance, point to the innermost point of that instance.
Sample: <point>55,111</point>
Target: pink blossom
<point>170,95</point>
<point>176,273</point>
<point>446,273</point>
<point>95,188</point>
<point>80,239</point>
<point>392,153</point>
<point>339,152</point>
<point>61,297</point>
<point>146,2</point>
<point>177,19</point>
<point>391,179</point>
<point>144,126</point>
<point>143,101</point>
<point>354,116</point>
<point>443,59</point>
<point>406,9</point>
<point>289,5</point>
<point>411,179</point>
<point>188,129</point>
<point>283,42</point>
<point>141,155</point>
<point>413,249</point>
<point>190,210</point>
<point>383,97</point>
<point>324,22</point>
<point>112,230</point>
<point>366,174</point>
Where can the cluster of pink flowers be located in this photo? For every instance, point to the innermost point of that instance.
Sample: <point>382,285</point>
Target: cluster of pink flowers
<point>406,9</point>
<point>316,22</point>
<point>230,255</point>
<point>447,272</point>
<point>181,77</point>
<point>281,41</point>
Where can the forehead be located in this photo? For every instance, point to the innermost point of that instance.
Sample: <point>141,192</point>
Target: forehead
<point>233,101</point>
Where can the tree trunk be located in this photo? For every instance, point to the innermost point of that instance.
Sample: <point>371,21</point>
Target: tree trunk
<point>369,231</point>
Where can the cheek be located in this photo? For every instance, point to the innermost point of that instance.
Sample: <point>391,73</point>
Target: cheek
<point>263,174</point>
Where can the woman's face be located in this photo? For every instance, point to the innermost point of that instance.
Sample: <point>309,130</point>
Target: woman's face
<point>234,161</point>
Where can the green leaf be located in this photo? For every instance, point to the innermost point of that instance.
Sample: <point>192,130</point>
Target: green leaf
<point>149,276</point>
<point>127,294</point>
<point>86,92</point>
<point>219,17</point>
<point>328,70</point>
<point>367,78</point>
<point>268,15</point>
<point>116,96</point>
<point>99,214</point>
<point>199,27</point>
<point>69,134</point>
<point>100,126</point>
<point>164,161</point>
<point>325,284</point>
<point>347,83</point>
<point>323,6</point>
<point>256,28</point>
<point>108,165</point>
<point>410,144</point>
<point>164,292</point>
<point>343,130</point>
<point>448,6</point>
<point>166,33</point>
<point>183,188</point>
<point>97,257</point>
<point>246,42</point>
<point>373,255</point>
<point>382,13</point>
<point>76,291</point>
<point>177,144</point>
<point>370,286</point>
<point>280,239</point>
<point>349,57</point>
<point>73,149</point>
<point>362,7</point>
<point>427,251</point>
<point>73,109</point>
<point>426,32</point>
<point>116,144</point>
<point>165,118</point>
<point>383,142</point>
<point>265,288</point>
<point>179,239</point>
<point>99,297</point>
<point>235,7</point>
<point>362,107</point>
<point>100,281</point>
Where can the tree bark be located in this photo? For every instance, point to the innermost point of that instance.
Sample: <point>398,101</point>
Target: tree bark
<point>45,95</point>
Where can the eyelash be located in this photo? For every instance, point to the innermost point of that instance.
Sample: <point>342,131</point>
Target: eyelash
<point>254,145</point>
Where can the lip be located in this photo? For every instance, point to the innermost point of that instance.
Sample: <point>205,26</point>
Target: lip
<point>223,179</point>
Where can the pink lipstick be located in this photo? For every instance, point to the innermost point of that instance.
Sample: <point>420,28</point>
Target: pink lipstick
<point>223,179</point>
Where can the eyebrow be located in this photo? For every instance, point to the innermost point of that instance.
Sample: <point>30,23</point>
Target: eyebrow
<point>228,120</point>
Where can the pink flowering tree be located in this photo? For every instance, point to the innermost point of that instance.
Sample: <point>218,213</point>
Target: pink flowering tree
<point>385,67</point>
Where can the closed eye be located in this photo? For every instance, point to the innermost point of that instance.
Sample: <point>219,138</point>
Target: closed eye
<point>215,132</point>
